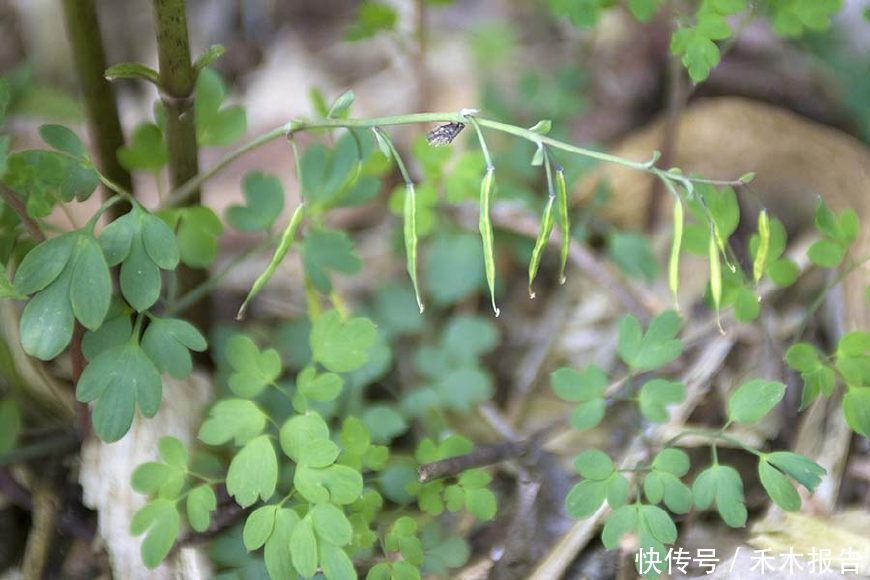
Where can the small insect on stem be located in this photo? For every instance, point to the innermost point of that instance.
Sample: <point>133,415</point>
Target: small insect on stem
<point>444,134</point>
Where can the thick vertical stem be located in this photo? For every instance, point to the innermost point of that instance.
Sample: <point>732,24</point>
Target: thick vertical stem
<point>83,29</point>
<point>177,82</point>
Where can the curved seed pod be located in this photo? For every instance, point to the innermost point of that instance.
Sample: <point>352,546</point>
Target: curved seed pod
<point>674,264</point>
<point>564,225</point>
<point>283,246</point>
<point>715,277</point>
<point>541,242</point>
<point>763,246</point>
<point>723,248</point>
<point>410,231</point>
<point>485,226</point>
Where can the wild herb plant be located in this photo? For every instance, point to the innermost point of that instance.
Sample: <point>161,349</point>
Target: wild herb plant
<point>324,474</point>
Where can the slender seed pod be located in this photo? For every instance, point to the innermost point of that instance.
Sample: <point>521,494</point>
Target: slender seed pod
<point>677,242</point>
<point>715,277</point>
<point>541,242</point>
<point>723,248</point>
<point>486,236</point>
<point>410,231</point>
<point>564,225</point>
<point>763,246</point>
<point>284,244</point>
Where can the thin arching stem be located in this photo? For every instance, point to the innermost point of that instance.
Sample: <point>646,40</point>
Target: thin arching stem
<point>182,193</point>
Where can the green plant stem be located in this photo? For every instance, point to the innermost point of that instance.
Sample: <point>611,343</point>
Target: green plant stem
<point>83,28</point>
<point>30,224</point>
<point>183,192</point>
<point>714,436</point>
<point>177,83</point>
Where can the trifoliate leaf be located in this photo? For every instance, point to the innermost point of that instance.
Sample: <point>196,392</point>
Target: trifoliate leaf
<point>160,521</point>
<point>253,369</point>
<point>120,379</point>
<point>264,199</point>
<point>201,501</point>
<point>253,472</point>
<point>237,419</point>
<point>167,341</point>
<point>341,346</point>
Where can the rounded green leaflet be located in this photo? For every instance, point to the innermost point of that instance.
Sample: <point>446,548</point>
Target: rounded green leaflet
<point>162,522</point>
<point>113,412</point>
<point>159,241</point>
<point>319,453</point>
<point>44,263</point>
<point>620,522</point>
<point>253,472</point>
<point>116,238</point>
<point>46,325</point>
<point>660,523</point>
<point>167,340</point>
<point>63,139</point>
<point>778,487</point>
<point>585,497</point>
<point>303,548</point>
<point>335,562</point>
<point>277,551</point>
<point>300,431</point>
<point>91,285</point>
<point>201,501</point>
<point>237,419</point>
<point>264,199</point>
<point>588,414</point>
<point>117,379</point>
<point>173,452</point>
<point>856,409</point>
<point>259,526</point>
<point>140,277</point>
<point>754,399</point>
<point>331,524</point>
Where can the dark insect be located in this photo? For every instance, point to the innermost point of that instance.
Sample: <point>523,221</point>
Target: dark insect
<point>445,134</point>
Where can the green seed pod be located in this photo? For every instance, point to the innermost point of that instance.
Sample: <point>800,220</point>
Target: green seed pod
<point>485,226</point>
<point>715,277</point>
<point>763,246</point>
<point>564,225</point>
<point>541,242</point>
<point>674,264</point>
<point>410,231</point>
<point>284,244</point>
